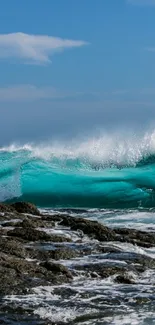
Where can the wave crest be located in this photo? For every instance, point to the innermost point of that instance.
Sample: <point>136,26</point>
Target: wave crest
<point>106,171</point>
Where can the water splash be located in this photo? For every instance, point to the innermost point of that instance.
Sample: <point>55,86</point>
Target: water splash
<point>106,171</point>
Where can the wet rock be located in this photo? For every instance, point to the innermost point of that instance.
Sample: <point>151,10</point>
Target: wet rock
<point>11,216</point>
<point>19,265</point>
<point>2,322</point>
<point>29,234</point>
<point>3,232</point>
<point>142,300</point>
<point>124,279</point>
<point>55,218</point>
<point>56,254</point>
<point>25,207</point>
<point>9,224</point>
<point>28,222</point>
<point>109,249</point>
<point>18,276</point>
<point>54,323</point>
<point>59,239</point>
<point>12,247</point>
<point>102,233</point>
<point>136,237</point>
<point>6,208</point>
<point>57,268</point>
<point>33,235</point>
<point>103,270</point>
<point>90,228</point>
<point>31,223</point>
<point>24,265</point>
<point>8,281</point>
<point>62,253</point>
<point>36,254</point>
<point>133,259</point>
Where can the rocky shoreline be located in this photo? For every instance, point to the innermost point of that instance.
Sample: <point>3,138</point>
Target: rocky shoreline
<point>31,252</point>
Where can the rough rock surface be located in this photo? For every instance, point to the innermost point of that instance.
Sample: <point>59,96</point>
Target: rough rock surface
<point>29,234</point>
<point>35,249</point>
<point>25,207</point>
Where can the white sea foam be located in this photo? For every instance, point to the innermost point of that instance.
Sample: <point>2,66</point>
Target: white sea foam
<point>63,314</point>
<point>131,219</point>
<point>116,147</point>
<point>129,319</point>
<point>101,299</point>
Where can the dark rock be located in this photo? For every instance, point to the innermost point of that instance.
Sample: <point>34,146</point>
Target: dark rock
<point>102,233</point>
<point>124,279</point>
<point>57,268</point>
<point>54,218</point>
<point>3,232</point>
<point>18,276</point>
<point>2,322</point>
<point>8,281</point>
<point>109,249</point>
<point>10,216</point>
<point>91,228</point>
<point>36,222</point>
<point>132,259</point>
<point>104,270</point>
<point>142,300</point>
<point>62,253</point>
<point>31,223</point>
<point>7,224</point>
<point>24,265</point>
<point>36,254</point>
<point>29,234</point>
<point>136,237</point>
<point>56,254</point>
<point>18,265</point>
<point>12,247</point>
<point>6,208</point>
<point>59,239</point>
<point>25,207</point>
<point>32,234</point>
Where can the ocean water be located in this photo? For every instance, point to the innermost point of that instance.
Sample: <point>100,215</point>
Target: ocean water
<point>104,172</point>
<point>111,179</point>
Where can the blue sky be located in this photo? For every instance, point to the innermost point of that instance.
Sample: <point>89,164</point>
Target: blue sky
<point>69,67</point>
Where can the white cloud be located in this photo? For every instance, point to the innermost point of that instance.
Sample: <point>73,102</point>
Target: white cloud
<point>142,2</point>
<point>33,48</point>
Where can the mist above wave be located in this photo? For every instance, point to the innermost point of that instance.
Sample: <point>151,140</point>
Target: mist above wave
<point>107,149</point>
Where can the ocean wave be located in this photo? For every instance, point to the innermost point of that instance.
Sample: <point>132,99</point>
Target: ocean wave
<point>106,171</point>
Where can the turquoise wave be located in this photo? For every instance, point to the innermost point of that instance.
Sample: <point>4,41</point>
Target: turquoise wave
<point>85,175</point>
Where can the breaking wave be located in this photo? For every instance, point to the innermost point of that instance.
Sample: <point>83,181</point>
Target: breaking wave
<point>101,172</point>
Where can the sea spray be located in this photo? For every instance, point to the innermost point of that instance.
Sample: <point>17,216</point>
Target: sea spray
<point>104,172</point>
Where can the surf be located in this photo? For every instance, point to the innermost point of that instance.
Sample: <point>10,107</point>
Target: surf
<point>109,171</point>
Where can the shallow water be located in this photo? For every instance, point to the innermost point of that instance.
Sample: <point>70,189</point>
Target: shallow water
<point>94,301</point>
